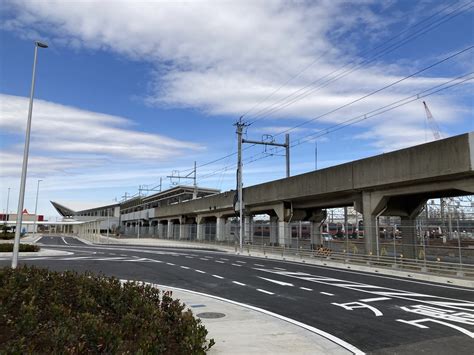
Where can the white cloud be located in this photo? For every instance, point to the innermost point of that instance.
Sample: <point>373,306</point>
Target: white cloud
<point>224,57</point>
<point>59,129</point>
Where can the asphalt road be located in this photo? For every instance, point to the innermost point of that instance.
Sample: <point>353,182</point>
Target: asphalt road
<point>376,313</point>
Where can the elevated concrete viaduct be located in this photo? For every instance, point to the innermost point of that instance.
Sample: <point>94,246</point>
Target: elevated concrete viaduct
<point>392,184</point>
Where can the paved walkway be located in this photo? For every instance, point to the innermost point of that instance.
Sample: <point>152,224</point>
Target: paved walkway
<point>243,330</point>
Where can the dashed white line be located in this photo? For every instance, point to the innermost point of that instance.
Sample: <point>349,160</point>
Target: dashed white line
<point>189,257</point>
<point>220,262</point>
<point>259,265</point>
<point>327,293</point>
<point>306,289</point>
<point>239,283</point>
<point>217,276</point>
<point>375,299</point>
<point>236,265</point>
<point>241,262</point>
<point>203,259</point>
<point>225,259</point>
<point>184,267</point>
<point>265,291</point>
<point>200,271</point>
<point>170,264</point>
<point>279,268</point>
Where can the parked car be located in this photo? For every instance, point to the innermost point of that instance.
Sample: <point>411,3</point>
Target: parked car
<point>326,237</point>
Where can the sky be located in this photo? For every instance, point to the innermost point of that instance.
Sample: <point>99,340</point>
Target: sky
<point>129,92</point>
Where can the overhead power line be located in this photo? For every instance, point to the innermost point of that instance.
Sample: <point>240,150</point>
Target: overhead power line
<point>386,108</point>
<point>311,88</point>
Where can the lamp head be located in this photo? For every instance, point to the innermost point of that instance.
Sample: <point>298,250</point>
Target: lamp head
<point>41,44</point>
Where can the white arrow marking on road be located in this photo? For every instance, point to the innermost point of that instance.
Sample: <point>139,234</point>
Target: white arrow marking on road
<point>276,281</point>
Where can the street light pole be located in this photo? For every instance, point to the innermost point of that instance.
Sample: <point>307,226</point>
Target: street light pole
<point>21,198</point>
<point>36,208</point>
<point>8,202</point>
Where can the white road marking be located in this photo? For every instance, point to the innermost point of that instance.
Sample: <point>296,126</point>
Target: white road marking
<point>333,338</point>
<point>265,291</point>
<point>76,258</point>
<point>220,262</point>
<point>184,267</point>
<point>110,259</point>
<point>217,276</point>
<point>239,283</point>
<point>259,265</point>
<point>189,257</point>
<point>306,289</point>
<point>281,283</point>
<point>224,259</point>
<point>279,268</point>
<point>241,262</point>
<point>350,306</point>
<point>171,264</point>
<point>123,255</point>
<point>64,240</point>
<point>375,299</point>
<point>327,293</point>
<point>236,265</point>
<point>200,271</point>
<point>204,259</point>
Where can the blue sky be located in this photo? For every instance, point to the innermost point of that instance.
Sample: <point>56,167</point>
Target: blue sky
<point>129,91</point>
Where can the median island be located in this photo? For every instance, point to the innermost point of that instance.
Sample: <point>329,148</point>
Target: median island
<point>67,312</point>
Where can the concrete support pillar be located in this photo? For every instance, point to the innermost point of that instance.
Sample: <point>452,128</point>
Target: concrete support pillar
<point>284,234</point>
<point>273,230</point>
<point>248,228</point>
<point>199,228</point>
<point>159,230</point>
<point>408,229</point>
<point>316,234</point>
<point>372,205</point>
<point>182,229</point>
<point>170,229</point>
<point>220,228</point>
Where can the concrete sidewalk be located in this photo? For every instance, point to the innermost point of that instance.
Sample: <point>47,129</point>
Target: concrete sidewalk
<point>244,329</point>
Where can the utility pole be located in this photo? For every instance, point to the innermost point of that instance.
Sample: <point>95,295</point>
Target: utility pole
<point>240,126</point>
<point>191,175</point>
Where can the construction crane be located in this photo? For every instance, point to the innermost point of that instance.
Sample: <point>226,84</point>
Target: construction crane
<point>431,121</point>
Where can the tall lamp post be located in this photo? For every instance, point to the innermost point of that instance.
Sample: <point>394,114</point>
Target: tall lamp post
<point>36,207</point>
<point>21,198</point>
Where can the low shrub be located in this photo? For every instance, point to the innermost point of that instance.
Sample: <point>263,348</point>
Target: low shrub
<point>8,247</point>
<point>7,235</point>
<point>50,312</point>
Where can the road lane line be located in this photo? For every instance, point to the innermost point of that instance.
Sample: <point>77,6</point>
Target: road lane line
<point>265,291</point>
<point>200,271</point>
<point>375,299</point>
<point>279,268</point>
<point>239,283</point>
<point>189,257</point>
<point>224,259</point>
<point>306,289</point>
<point>220,262</point>
<point>327,293</point>
<point>184,267</point>
<point>204,259</point>
<point>64,240</point>
<point>281,283</point>
<point>259,265</point>
<point>171,264</point>
<point>217,276</point>
<point>236,265</point>
<point>241,262</point>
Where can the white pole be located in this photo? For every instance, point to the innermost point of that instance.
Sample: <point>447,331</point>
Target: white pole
<point>8,202</point>
<point>21,199</point>
<point>108,224</point>
<point>36,208</point>
<point>239,185</point>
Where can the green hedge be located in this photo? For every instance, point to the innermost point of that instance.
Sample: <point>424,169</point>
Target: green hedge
<point>8,247</point>
<point>7,235</point>
<point>44,311</point>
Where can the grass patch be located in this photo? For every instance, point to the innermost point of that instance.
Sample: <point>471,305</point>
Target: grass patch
<point>51,312</point>
<point>8,247</point>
